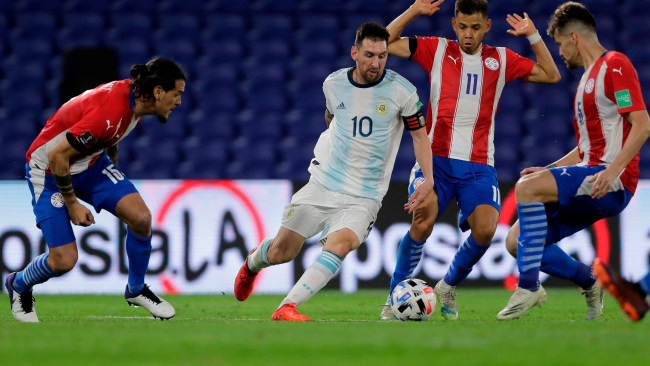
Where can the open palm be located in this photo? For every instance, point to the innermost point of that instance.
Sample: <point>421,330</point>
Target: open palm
<point>428,7</point>
<point>522,26</point>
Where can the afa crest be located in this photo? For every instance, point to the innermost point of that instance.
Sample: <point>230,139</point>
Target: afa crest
<point>382,108</point>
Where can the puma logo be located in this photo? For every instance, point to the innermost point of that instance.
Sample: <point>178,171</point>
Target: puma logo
<point>564,172</point>
<point>618,71</point>
<point>109,124</point>
<point>453,59</point>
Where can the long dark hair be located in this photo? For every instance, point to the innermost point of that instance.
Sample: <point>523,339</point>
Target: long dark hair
<point>158,71</point>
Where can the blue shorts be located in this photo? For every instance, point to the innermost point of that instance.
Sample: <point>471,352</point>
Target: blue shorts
<point>576,210</point>
<point>102,186</point>
<point>472,184</point>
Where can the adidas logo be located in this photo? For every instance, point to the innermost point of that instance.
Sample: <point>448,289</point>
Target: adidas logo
<point>341,106</point>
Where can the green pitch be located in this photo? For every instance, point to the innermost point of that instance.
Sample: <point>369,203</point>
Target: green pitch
<point>218,330</point>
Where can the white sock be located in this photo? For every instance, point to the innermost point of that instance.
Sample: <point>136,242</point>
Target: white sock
<point>258,261</point>
<point>314,279</point>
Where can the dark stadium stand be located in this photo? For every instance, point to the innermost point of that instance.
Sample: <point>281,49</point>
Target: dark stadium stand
<point>253,107</point>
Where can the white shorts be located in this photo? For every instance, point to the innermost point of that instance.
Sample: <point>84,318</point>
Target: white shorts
<point>315,208</point>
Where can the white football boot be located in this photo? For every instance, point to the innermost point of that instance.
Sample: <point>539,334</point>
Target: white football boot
<point>387,311</point>
<point>156,305</point>
<point>521,302</point>
<point>447,298</point>
<point>594,296</point>
<point>22,305</point>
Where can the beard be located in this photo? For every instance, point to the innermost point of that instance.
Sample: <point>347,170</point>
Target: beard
<point>369,79</point>
<point>162,119</point>
<point>571,65</point>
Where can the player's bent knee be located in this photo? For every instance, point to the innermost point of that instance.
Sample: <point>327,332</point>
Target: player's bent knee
<point>140,225</point>
<point>421,229</point>
<point>484,233</point>
<point>525,190</point>
<point>63,262</point>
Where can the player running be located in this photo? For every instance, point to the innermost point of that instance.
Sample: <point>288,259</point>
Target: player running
<point>466,78</point>
<point>67,162</point>
<point>595,180</point>
<point>368,108</point>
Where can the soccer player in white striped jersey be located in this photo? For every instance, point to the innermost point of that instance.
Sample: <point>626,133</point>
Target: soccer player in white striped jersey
<point>595,180</point>
<point>466,78</point>
<point>368,108</point>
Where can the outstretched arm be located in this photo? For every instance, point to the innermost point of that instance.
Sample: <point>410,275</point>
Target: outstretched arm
<point>545,71</point>
<point>400,46</point>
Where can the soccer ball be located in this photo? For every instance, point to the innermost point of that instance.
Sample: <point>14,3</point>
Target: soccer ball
<point>413,299</point>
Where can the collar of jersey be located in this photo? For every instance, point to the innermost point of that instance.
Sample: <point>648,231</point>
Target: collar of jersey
<point>131,100</point>
<point>364,85</point>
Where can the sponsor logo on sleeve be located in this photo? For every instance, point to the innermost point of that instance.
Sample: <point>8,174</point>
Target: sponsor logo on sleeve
<point>623,98</point>
<point>86,139</point>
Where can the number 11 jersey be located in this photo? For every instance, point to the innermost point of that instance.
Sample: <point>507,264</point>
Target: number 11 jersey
<point>356,154</point>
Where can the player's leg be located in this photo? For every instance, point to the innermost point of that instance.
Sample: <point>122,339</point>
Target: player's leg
<point>411,247</point>
<point>107,188</point>
<point>532,192</point>
<point>282,248</point>
<point>301,219</point>
<point>634,297</point>
<point>338,245</point>
<point>556,262</point>
<point>53,220</point>
<point>60,259</point>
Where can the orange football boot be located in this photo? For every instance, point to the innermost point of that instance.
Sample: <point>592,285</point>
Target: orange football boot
<point>245,280</point>
<point>632,302</point>
<point>288,312</point>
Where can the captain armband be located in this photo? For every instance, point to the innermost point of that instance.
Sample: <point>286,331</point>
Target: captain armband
<point>414,122</point>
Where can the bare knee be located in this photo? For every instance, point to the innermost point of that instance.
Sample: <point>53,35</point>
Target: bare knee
<point>525,190</point>
<point>511,240</point>
<point>421,229</point>
<point>140,224</point>
<point>63,261</point>
<point>484,232</point>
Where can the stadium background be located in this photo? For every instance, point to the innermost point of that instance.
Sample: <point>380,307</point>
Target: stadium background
<point>252,112</point>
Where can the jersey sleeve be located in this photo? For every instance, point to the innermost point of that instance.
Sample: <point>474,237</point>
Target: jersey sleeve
<point>517,67</point>
<point>328,103</point>
<point>424,52</point>
<point>92,129</point>
<point>411,112</point>
<point>622,85</point>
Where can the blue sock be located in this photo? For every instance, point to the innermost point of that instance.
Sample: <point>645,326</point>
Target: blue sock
<point>408,256</point>
<point>138,250</point>
<point>559,264</point>
<point>532,234</point>
<point>466,257</point>
<point>38,271</point>
<point>645,283</point>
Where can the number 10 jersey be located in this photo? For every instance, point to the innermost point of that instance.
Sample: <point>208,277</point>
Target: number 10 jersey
<point>356,154</point>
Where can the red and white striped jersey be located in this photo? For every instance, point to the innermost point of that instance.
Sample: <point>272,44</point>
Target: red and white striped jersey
<point>465,93</point>
<point>608,90</point>
<point>93,121</point>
